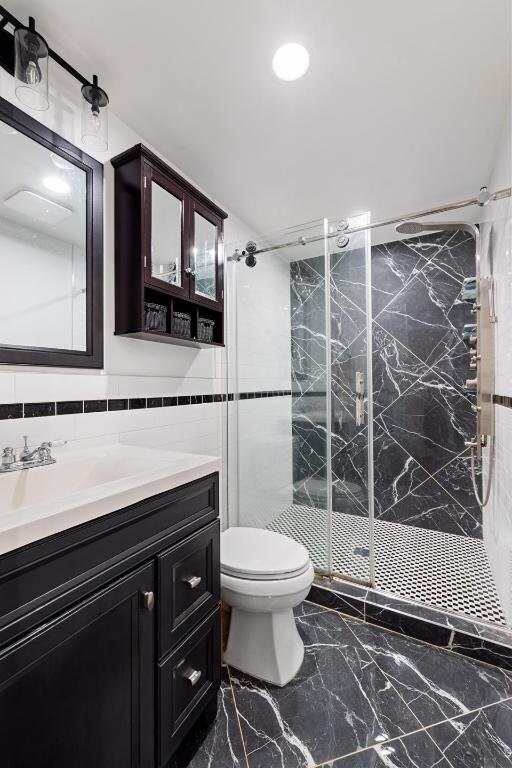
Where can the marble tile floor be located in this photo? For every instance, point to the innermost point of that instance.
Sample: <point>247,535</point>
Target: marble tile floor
<point>364,697</point>
<point>443,570</point>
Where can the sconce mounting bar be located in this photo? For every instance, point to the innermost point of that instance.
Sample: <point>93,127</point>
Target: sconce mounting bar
<point>7,48</point>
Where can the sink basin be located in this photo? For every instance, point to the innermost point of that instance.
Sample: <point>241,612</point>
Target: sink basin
<point>86,484</point>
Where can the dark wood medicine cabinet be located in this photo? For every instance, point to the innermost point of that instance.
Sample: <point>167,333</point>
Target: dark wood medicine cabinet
<point>169,270</point>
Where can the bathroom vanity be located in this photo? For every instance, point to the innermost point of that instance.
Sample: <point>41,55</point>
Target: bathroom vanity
<point>110,629</point>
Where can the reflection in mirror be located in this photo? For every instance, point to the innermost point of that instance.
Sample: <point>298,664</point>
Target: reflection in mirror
<point>43,240</point>
<point>166,213</point>
<point>205,246</point>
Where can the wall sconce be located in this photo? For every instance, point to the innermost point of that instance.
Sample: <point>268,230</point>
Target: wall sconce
<point>31,66</point>
<point>24,54</point>
<point>94,116</point>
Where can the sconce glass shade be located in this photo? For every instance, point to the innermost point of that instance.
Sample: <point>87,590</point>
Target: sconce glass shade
<point>31,67</point>
<point>95,116</point>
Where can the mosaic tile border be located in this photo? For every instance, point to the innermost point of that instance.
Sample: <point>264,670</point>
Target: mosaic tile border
<point>66,407</point>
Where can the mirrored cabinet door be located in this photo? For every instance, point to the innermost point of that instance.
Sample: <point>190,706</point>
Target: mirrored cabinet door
<point>205,259</point>
<point>165,242</point>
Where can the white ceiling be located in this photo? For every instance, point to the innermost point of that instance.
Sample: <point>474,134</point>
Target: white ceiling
<point>402,106</point>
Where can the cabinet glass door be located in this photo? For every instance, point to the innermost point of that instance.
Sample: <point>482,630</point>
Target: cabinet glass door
<point>166,263</point>
<point>205,257</point>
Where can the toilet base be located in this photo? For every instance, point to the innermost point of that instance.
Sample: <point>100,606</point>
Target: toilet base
<point>265,645</point>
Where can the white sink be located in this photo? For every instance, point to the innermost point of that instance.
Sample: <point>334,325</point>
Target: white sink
<point>86,484</point>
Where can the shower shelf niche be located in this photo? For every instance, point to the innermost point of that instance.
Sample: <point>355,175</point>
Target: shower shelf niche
<point>168,252</point>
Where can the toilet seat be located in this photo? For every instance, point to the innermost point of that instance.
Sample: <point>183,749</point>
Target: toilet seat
<point>256,554</point>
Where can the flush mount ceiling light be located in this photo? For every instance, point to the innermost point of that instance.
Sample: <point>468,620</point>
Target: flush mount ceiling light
<point>290,61</point>
<point>55,184</point>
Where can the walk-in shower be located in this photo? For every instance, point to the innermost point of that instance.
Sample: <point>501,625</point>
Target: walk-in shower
<point>354,418</point>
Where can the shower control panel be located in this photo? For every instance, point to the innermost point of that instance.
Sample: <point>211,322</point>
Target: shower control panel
<point>480,339</point>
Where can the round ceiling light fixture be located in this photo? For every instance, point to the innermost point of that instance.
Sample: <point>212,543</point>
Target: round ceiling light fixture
<point>290,61</point>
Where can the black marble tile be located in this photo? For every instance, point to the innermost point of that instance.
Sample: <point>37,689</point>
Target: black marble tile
<point>436,684</point>
<point>414,751</point>
<point>11,411</point>
<point>394,266</point>
<point>118,404</point>
<point>184,400</point>
<point>69,406</point>
<point>339,702</point>
<point>219,744</point>
<point>395,473</point>
<point>394,369</point>
<point>136,403</point>
<point>481,739</point>
<point>456,254</point>
<point>306,279</point>
<point>95,406</point>
<point>347,604</point>
<point>154,402</point>
<point>430,421</point>
<point>483,650</point>
<point>411,626</point>
<point>307,608</point>
<point>350,477</point>
<point>347,320</point>
<point>430,506</point>
<point>454,365</point>
<point>455,478</point>
<point>31,410</point>
<point>348,276</point>
<point>172,401</point>
<point>428,316</point>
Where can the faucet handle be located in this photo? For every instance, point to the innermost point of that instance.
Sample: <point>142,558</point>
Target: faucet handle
<point>8,457</point>
<point>25,450</point>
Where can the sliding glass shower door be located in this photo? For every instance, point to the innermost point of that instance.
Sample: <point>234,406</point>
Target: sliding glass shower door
<point>351,406</point>
<point>299,369</point>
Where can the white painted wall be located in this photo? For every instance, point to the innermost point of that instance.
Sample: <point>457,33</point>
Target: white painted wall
<point>132,368</point>
<point>260,430</point>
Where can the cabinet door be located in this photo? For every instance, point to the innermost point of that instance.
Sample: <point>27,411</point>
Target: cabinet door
<point>79,692</point>
<point>164,236</point>
<point>205,232</point>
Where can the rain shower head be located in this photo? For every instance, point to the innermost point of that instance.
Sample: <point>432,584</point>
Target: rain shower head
<point>417,227</point>
<point>410,228</point>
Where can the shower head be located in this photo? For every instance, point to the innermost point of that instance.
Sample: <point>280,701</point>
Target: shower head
<point>409,228</point>
<point>417,227</point>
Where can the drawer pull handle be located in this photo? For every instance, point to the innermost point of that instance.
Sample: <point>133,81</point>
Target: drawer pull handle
<point>192,581</point>
<point>193,676</point>
<point>148,600</point>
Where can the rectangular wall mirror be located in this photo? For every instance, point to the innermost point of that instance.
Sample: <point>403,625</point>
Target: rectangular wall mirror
<point>51,247</point>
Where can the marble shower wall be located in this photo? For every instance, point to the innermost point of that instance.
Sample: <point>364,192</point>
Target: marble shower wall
<point>421,413</point>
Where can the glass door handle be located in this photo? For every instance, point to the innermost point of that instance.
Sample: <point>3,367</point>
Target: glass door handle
<point>360,387</point>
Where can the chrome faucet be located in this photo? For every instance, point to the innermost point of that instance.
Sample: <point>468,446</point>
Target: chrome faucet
<point>38,457</point>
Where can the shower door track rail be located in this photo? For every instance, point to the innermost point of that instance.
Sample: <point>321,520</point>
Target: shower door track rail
<point>498,195</point>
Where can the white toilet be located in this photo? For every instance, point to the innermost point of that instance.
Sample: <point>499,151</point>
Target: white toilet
<point>264,575</point>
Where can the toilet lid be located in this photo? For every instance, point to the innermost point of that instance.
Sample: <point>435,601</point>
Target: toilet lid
<point>254,553</point>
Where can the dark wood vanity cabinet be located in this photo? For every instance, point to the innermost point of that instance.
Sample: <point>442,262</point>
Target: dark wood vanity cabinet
<point>169,267</point>
<point>110,636</point>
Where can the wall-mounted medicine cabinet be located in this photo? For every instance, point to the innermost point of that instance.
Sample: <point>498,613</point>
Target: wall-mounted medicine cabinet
<point>169,269</point>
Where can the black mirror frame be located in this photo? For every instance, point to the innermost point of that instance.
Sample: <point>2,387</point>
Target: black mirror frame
<point>92,356</point>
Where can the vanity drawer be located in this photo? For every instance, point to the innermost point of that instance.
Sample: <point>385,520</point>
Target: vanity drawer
<point>188,585</point>
<point>186,679</point>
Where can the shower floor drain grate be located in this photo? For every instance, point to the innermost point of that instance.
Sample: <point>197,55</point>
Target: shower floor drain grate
<point>441,569</point>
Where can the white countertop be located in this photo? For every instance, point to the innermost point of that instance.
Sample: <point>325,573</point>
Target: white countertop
<point>86,484</point>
